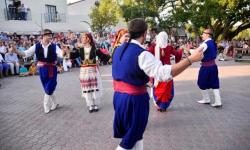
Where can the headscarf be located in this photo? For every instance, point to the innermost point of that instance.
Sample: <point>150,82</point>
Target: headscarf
<point>161,42</point>
<point>118,36</point>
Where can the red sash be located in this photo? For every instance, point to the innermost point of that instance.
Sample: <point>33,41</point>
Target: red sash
<point>123,87</point>
<point>208,63</point>
<point>49,65</point>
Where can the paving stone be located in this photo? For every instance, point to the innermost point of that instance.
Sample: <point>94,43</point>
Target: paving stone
<point>186,125</point>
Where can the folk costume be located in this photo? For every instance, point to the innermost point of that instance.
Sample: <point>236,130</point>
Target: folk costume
<point>90,79</point>
<point>163,92</point>
<point>47,57</point>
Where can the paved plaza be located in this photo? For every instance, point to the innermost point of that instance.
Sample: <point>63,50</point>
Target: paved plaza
<point>187,125</point>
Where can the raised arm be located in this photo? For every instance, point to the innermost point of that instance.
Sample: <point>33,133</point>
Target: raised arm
<point>26,53</point>
<point>154,68</point>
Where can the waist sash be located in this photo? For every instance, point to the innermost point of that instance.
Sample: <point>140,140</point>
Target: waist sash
<point>123,87</point>
<point>49,65</point>
<point>208,63</point>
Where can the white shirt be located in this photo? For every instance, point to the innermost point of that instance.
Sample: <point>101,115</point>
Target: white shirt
<point>1,59</point>
<point>203,46</point>
<point>152,66</point>
<point>87,52</point>
<point>31,51</point>
<point>2,49</point>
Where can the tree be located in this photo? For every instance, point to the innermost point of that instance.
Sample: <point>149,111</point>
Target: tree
<point>104,15</point>
<point>150,10</point>
<point>226,17</point>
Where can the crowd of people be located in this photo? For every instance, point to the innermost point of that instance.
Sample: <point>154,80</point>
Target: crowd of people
<point>12,64</point>
<point>70,41</point>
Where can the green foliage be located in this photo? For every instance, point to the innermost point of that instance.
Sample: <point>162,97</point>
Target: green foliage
<point>147,9</point>
<point>245,35</point>
<point>226,17</point>
<point>221,15</point>
<point>104,15</point>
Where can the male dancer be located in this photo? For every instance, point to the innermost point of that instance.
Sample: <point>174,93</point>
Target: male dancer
<point>46,54</point>
<point>208,74</point>
<point>131,100</point>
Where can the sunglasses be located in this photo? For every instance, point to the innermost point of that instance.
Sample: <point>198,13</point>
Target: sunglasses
<point>206,33</point>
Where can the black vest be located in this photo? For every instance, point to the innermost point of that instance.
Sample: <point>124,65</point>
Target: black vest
<point>51,56</point>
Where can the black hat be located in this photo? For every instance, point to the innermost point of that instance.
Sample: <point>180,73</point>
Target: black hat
<point>46,32</point>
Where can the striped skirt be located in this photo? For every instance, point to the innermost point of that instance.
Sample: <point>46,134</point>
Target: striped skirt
<point>90,81</point>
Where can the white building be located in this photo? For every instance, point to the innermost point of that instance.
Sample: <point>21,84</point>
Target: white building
<point>79,14</point>
<point>56,15</point>
<point>52,14</point>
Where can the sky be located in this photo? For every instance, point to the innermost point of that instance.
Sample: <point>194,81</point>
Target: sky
<point>71,1</point>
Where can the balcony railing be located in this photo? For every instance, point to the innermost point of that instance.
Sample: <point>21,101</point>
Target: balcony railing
<point>54,17</point>
<point>12,14</point>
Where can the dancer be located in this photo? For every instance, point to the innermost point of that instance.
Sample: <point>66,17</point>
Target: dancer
<point>90,78</point>
<point>163,92</point>
<point>46,54</point>
<point>131,68</point>
<point>208,74</point>
<point>121,36</point>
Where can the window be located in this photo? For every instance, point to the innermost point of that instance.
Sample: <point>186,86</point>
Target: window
<point>51,13</point>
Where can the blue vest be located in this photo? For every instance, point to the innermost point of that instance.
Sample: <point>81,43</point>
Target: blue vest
<point>51,56</point>
<point>127,69</point>
<point>211,52</point>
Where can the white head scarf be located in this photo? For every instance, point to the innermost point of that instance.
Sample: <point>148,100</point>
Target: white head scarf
<point>161,42</point>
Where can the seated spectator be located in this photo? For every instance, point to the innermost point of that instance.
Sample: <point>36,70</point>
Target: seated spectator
<point>4,67</point>
<point>23,71</point>
<point>2,48</point>
<point>1,70</point>
<point>12,59</point>
<point>21,47</point>
<point>33,69</point>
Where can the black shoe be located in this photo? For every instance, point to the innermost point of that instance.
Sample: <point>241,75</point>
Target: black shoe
<point>162,110</point>
<point>91,109</point>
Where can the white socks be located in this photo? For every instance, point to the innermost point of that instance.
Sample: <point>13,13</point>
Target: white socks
<point>205,97</point>
<point>138,146</point>
<point>217,98</point>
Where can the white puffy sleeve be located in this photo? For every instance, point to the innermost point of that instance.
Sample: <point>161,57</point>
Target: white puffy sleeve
<point>31,51</point>
<point>153,67</point>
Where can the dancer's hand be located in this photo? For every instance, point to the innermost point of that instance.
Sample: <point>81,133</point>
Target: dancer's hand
<point>185,49</point>
<point>196,55</point>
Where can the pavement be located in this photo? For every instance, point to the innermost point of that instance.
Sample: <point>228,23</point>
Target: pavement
<point>186,125</point>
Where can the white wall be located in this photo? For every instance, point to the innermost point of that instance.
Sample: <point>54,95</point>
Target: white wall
<point>37,8</point>
<point>79,12</point>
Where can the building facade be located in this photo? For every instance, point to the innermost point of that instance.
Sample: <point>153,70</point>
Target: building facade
<point>29,16</point>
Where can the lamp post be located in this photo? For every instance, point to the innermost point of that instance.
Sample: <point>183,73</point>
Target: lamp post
<point>87,24</point>
<point>7,11</point>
